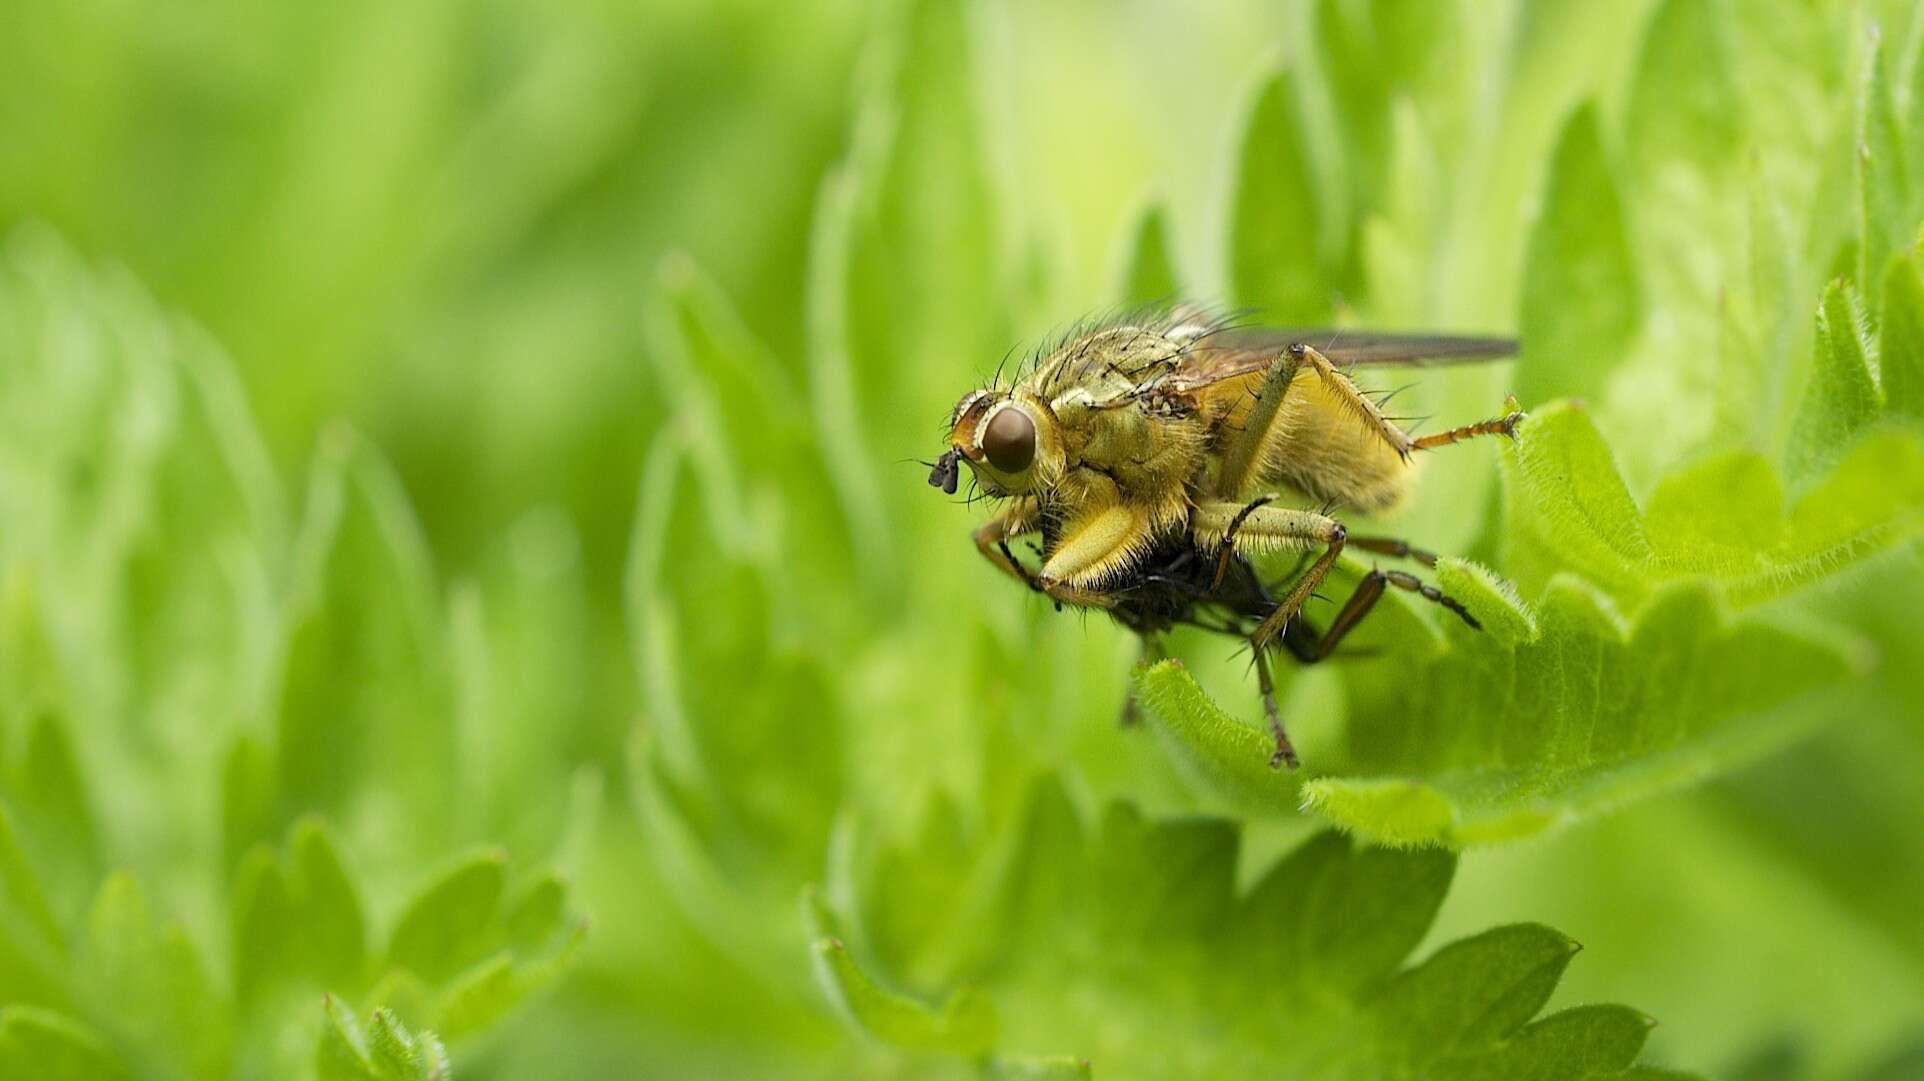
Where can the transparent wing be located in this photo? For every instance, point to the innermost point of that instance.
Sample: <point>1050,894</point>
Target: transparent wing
<point>1226,354</point>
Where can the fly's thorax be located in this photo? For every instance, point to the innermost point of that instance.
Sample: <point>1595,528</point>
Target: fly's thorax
<point>1146,451</point>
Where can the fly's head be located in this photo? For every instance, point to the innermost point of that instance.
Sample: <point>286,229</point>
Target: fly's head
<point>1009,438</point>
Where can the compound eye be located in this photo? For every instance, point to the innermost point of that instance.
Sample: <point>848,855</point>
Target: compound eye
<point>1009,441</point>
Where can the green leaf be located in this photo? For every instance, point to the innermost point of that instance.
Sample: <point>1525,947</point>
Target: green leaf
<point>1889,203</point>
<point>1567,506</point>
<point>1683,101</point>
<point>48,1046</point>
<point>1581,1042</point>
<point>150,985</point>
<point>1725,517</point>
<point>248,798</point>
<point>453,921</point>
<point>1574,715</point>
<point>1039,1068</point>
<point>364,697</point>
<point>489,991</point>
<point>1213,750</point>
<point>265,936</point>
<point>1276,214</point>
<point>327,908</point>
<point>1304,972</point>
<point>1900,340</point>
<point>963,1025</point>
<point>1148,272</point>
<point>297,918</point>
<point>1581,303</point>
<point>1842,396</point>
<point>53,804</point>
<point>382,1051</point>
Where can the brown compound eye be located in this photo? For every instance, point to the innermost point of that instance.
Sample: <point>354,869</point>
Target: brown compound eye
<point>1009,441</point>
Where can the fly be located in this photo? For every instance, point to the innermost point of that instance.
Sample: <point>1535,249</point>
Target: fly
<point>1152,453</point>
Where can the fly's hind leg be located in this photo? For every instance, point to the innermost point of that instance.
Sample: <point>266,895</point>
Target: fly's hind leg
<point>1504,425</point>
<point>1243,458</point>
<point>1309,647</point>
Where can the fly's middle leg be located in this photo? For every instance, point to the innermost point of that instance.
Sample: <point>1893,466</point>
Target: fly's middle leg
<point>1392,546</point>
<point>1285,751</point>
<point>993,536</point>
<point>1260,528</point>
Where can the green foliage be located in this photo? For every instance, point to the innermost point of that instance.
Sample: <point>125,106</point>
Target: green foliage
<point>1100,941</point>
<point>382,1051</point>
<point>1148,270</point>
<point>579,357</point>
<point>1581,302</point>
<point>194,622</point>
<point>1277,218</point>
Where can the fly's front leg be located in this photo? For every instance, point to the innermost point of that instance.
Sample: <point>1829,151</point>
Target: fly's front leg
<point>993,536</point>
<point>1091,550</point>
<point>1260,528</point>
<point>1243,458</point>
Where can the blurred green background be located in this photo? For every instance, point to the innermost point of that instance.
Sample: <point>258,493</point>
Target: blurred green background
<point>495,423</point>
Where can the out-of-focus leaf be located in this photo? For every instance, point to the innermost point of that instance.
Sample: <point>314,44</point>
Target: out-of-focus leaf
<point>53,802</point>
<point>297,918</point>
<point>1582,303</point>
<point>149,986</point>
<point>264,933</point>
<point>1683,105</point>
<point>48,1046</point>
<point>31,943</point>
<point>1276,226</point>
<point>489,991</point>
<point>452,922</point>
<point>1303,971</point>
<point>248,798</point>
<point>327,907</point>
<point>1842,396</point>
<point>1148,271</point>
<point>1886,188</point>
<point>365,699</point>
<point>382,1051</point>
<point>965,1024</point>
<point>1900,340</point>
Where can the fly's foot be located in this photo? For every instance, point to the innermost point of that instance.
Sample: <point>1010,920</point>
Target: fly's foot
<point>1504,425</point>
<point>1285,752</point>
